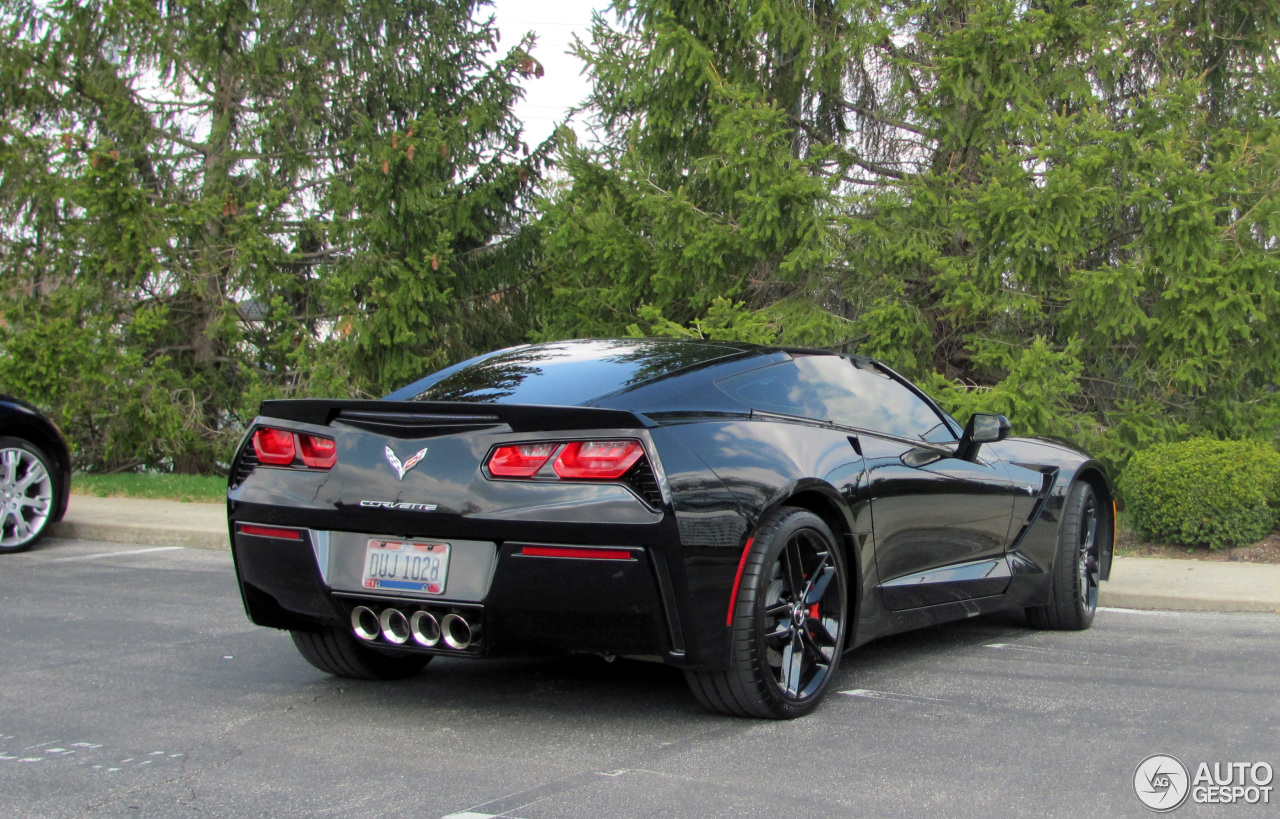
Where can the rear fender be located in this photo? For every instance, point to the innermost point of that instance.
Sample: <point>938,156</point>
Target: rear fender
<point>1093,472</point>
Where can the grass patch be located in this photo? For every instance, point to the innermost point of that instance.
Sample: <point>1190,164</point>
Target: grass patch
<point>157,485</point>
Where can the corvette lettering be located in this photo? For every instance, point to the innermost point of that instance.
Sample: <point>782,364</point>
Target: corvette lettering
<point>408,507</point>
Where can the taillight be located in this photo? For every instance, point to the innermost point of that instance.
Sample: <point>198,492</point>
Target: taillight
<point>274,446</point>
<point>597,460</point>
<point>577,460</point>
<point>520,461</point>
<point>279,447</point>
<point>317,452</point>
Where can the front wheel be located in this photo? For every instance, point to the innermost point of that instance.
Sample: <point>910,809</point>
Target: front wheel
<point>28,489</point>
<point>788,622</point>
<point>1077,573</point>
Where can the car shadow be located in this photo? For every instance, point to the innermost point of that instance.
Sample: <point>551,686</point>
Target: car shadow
<point>591,686</point>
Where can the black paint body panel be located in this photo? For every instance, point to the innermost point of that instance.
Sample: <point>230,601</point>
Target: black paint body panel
<point>280,583</point>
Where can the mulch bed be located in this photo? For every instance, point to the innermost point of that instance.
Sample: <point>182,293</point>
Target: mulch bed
<point>1266,550</point>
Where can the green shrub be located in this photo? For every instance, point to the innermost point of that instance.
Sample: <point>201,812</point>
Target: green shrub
<point>1203,492</point>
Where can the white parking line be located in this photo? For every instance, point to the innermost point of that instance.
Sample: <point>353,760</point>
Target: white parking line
<point>114,554</point>
<point>889,695</point>
<point>1030,648</point>
<point>1051,650</point>
<point>1199,615</point>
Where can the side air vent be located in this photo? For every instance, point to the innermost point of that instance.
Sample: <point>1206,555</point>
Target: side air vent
<point>243,465</point>
<point>413,424</point>
<point>641,478</point>
<point>667,592</point>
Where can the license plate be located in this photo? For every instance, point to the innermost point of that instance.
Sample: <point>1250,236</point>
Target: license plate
<point>410,566</point>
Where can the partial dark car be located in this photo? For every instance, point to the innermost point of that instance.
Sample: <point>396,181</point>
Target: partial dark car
<point>747,514</point>
<point>35,474</point>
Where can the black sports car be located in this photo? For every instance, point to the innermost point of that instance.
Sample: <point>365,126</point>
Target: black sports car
<point>744,513</point>
<point>35,474</point>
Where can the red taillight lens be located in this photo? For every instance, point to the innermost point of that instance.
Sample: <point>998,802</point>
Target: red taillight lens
<point>278,447</point>
<point>274,446</point>
<point>598,460</point>
<point>520,461</point>
<point>317,452</point>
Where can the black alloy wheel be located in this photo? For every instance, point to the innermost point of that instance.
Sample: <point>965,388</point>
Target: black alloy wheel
<point>1077,571</point>
<point>1087,562</point>
<point>789,622</point>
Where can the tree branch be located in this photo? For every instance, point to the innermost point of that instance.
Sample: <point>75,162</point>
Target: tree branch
<point>879,117</point>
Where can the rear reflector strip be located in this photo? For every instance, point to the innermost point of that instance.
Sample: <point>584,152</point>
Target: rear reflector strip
<point>742,564</point>
<point>588,554</point>
<point>270,531</point>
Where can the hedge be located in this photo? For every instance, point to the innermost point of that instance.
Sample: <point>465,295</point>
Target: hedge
<point>1204,492</point>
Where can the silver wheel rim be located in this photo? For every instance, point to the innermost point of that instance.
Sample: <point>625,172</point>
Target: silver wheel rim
<point>26,497</point>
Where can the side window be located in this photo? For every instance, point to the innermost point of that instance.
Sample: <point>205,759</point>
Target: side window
<point>830,388</point>
<point>866,398</point>
<point>780,388</point>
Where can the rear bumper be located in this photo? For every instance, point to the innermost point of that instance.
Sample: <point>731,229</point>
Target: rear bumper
<point>540,596</point>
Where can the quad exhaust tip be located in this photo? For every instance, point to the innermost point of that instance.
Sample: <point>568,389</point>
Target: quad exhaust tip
<point>422,627</point>
<point>457,631</point>
<point>425,628</point>
<point>365,623</point>
<point>395,626</point>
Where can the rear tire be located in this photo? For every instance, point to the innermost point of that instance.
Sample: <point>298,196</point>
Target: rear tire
<point>789,623</point>
<point>29,489</point>
<point>338,652</point>
<point>1073,585</point>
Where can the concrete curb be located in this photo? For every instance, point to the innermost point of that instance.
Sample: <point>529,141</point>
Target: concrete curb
<point>1191,585</point>
<point>145,522</point>
<point>145,536</point>
<point>1173,602</point>
<point>1136,582</point>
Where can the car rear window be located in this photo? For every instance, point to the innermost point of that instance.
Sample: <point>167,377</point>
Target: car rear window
<point>570,373</point>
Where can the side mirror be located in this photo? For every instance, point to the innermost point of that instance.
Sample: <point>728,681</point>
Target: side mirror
<point>983,428</point>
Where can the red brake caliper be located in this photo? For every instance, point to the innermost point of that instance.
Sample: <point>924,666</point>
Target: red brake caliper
<point>813,610</point>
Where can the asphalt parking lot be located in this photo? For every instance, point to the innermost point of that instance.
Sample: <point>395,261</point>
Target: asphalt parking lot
<point>131,684</point>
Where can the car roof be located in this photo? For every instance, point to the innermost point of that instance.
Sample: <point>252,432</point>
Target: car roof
<point>572,372</point>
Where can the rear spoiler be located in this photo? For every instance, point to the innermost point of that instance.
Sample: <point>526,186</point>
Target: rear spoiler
<point>520,417</point>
